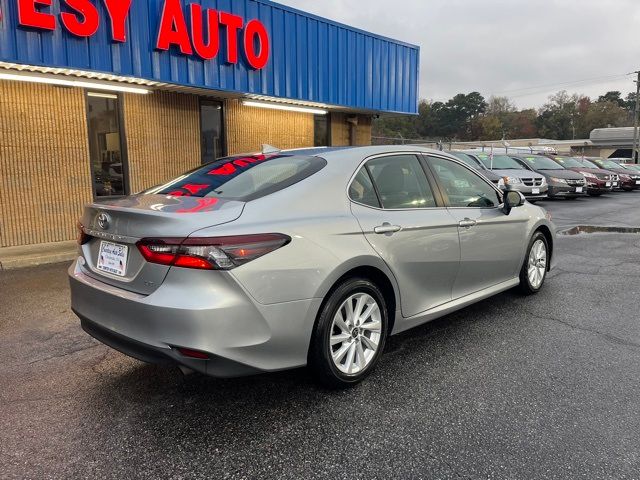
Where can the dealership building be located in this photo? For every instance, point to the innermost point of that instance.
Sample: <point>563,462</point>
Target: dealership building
<point>101,98</point>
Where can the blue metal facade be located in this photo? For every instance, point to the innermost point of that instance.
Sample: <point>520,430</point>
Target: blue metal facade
<point>311,59</point>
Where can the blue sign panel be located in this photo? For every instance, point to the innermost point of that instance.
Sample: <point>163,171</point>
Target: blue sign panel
<point>242,46</point>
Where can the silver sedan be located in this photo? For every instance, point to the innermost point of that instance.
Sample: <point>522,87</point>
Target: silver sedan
<point>272,261</point>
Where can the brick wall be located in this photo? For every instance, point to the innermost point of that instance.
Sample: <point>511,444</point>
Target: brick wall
<point>248,128</point>
<point>44,166</point>
<point>45,175</point>
<point>163,136</point>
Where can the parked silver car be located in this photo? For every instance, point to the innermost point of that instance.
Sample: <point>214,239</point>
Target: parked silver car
<point>531,184</point>
<point>310,257</point>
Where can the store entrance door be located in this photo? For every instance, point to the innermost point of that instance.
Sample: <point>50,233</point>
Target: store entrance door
<point>211,130</point>
<point>107,155</point>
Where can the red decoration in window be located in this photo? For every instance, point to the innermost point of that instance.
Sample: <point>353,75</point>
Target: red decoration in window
<point>226,169</point>
<point>193,188</point>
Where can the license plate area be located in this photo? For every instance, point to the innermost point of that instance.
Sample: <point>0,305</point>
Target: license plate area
<point>112,258</point>
<point>579,189</point>
<point>608,184</point>
<point>535,191</point>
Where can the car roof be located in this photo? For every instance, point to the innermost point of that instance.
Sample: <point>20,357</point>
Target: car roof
<point>341,153</point>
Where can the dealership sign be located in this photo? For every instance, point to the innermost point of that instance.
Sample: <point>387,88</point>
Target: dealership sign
<point>199,33</point>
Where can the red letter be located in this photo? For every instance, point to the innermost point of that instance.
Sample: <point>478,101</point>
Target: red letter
<point>168,35</point>
<point>29,16</point>
<point>206,51</point>
<point>118,11</point>
<point>233,24</point>
<point>90,20</point>
<point>256,28</point>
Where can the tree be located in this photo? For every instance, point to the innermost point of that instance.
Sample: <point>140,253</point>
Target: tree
<point>500,106</point>
<point>613,97</point>
<point>491,127</point>
<point>604,114</point>
<point>557,117</point>
<point>522,124</point>
<point>458,115</point>
<point>470,117</point>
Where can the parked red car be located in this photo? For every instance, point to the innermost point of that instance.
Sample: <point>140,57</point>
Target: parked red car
<point>599,181</point>
<point>628,179</point>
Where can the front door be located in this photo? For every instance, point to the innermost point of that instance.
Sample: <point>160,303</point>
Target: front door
<point>492,244</point>
<point>417,238</point>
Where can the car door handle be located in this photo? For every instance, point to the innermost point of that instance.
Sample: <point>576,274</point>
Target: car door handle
<point>387,228</point>
<point>467,223</point>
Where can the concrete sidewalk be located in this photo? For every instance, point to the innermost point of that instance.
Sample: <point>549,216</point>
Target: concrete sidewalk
<point>40,254</point>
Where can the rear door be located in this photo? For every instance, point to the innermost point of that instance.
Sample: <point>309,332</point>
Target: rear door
<point>492,244</point>
<point>416,236</point>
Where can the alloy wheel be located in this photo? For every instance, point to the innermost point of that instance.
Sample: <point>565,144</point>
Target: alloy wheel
<point>355,334</point>
<point>537,265</point>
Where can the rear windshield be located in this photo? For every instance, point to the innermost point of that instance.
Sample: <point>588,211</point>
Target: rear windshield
<point>500,162</point>
<point>243,178</point>
<point>542,163</point>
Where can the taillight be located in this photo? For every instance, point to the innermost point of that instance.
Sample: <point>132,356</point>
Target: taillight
<point>210,253</point>
<point>82,237</point>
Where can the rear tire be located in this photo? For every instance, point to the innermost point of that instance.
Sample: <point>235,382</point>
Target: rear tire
<point>535,266</point>
<point>349,335</point>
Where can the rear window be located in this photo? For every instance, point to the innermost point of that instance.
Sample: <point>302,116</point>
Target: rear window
<point>243,178</point>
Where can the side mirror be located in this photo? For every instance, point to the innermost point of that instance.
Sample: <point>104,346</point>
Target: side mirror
<point>512,199</point>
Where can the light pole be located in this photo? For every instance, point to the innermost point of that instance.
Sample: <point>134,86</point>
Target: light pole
<point>634,150</point>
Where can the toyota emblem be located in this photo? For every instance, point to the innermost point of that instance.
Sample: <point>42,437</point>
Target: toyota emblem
<point>103,221</point>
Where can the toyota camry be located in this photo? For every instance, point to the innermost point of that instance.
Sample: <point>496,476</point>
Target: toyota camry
<point>271,261</point>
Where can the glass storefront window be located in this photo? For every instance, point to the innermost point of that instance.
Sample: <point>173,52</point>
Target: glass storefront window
<point>211,133</point>
<point>105,145</point>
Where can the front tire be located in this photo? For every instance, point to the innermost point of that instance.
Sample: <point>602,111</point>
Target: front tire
<point>534,268</point>
<point>349,335</point>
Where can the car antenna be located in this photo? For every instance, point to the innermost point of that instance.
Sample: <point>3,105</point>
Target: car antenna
<point>268,149</point>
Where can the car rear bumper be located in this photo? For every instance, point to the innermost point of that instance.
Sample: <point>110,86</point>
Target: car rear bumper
<point>205,311</point>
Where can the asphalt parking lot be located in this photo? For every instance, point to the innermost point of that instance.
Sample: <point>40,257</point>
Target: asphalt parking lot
<point>538,387</point>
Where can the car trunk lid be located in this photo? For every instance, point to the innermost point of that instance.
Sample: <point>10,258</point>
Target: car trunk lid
<point>114,226</point>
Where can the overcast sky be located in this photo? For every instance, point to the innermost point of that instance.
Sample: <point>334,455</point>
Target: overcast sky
<point>503,47</point>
